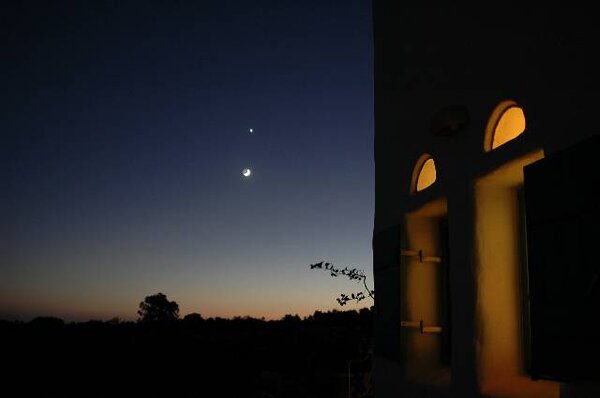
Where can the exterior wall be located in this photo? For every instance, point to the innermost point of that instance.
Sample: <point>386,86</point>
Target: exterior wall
<point>500,308</point>
<point>428,57</point>
<point>423,292</point>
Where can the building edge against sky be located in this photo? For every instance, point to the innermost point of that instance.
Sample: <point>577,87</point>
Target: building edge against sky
<point>466,99</point>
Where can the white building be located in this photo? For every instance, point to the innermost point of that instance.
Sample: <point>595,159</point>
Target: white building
<point>486,217</point>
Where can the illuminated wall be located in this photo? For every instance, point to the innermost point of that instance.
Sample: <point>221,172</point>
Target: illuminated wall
<point>427,175</point>
<point>499,259</point>
<point>506,123</point>
<point>423,294</point>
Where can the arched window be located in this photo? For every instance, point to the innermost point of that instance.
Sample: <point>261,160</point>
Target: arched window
<point>424,173</point>
<point>506,123</point>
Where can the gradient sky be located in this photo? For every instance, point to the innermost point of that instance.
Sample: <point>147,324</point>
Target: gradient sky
<point>124,132</point>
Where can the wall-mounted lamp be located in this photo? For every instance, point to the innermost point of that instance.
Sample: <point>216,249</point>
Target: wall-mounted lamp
<point>449,120</point>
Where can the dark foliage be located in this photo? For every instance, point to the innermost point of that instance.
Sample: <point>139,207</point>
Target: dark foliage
<point>157,308</point>
<point>354,274</point>
<point>192,357</point>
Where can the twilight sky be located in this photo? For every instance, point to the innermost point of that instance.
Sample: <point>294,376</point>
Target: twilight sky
<point>124,132</point>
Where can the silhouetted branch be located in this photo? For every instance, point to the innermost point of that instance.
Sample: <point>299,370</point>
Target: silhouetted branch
<point>354,274</point>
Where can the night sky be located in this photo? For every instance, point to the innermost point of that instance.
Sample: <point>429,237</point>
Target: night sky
<point>124,133</point>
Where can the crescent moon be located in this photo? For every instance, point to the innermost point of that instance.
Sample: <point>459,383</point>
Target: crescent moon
<point>246,172</point>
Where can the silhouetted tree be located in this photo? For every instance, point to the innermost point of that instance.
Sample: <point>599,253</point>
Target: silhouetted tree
<point>289,318</point>
<point>193,320</point>
<point>47,322</point>
<point>157,308</point>
<point>193,317</point>
<point>354,274</point>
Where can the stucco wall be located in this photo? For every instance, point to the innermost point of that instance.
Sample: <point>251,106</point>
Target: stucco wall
<point>429,56</point>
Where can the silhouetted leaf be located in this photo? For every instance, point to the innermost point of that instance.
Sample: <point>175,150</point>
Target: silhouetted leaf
<point>354,274</point>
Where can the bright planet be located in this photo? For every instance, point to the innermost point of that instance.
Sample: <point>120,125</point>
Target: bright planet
<point>246,172</point>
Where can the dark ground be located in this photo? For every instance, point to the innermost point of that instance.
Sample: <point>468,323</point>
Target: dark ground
<point>193,357</point>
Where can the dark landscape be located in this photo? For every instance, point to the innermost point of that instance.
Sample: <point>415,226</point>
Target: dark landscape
<point>190,357</point>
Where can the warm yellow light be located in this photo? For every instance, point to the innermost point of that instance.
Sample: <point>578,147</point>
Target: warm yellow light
<point>500,307</point>
<point>421,298</point>
<point>510,126</point>
<point>426,175</point>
